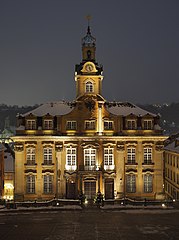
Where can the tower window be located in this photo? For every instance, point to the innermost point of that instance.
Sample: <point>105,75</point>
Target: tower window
<point>89,87</point>
<point>89,54</point>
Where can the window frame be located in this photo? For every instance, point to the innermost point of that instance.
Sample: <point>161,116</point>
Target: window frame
<point>48,156</point>
<point>109,125</point>
<point>71,158</point>
<point>90,125</point>
<point>47,184</point>
<point>30,184</point>
<point>130,183</point>
<point>89,87</point>
<point>48,124</point>
<point>71,125</point>
<point>90,158</point>
<point>148,183</point>
<point>108,158</point>
<point>31,124</point>
<point>131,155</point>
<point>147,155</point>
<point>31,156</point>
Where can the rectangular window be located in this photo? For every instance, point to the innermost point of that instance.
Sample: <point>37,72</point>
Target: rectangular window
<point>48,124</point>
<point>89,125</point>
<point>71,159</point>
<point>48,184</point>
<point>30,156</point>
<point>108,125</point>
<point>131,124</point>
<point>108,159</point>
<point>131,159</point>
<point>90,158</point>
<point>148,183</point>
<point>30,184</point>
<point>71,125</point>
<point>47,156</point>
<point>131,183</point>
<point>147,155</point>
<point>31,124</point>
<point>148,125</point>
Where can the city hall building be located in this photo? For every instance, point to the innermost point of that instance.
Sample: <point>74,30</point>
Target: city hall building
<point>63,149</point>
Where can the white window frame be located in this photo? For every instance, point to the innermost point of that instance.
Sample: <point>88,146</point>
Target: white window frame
<point>31,124</point>
<point>148,124</point>
<point>90,159</point>
<point>30,184</point>
<point>108,125</point>
<point>48,183</point>
<point>30,156</point>
<point>48,124</point>
<point>47,153</point>
<point>71,159</point>
<point>148,183</point>
<point>89,87</point>
<point>131,183</point>
<point>90,125</point>
<point>108,158</point>
<point>147,155</point>
<point>71,125</point>
<point>131,124</point>
<point>131,155</point>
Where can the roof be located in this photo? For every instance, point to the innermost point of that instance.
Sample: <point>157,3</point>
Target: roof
<point>126,108</point>
<point>53,109</point>
<point>173,146</point>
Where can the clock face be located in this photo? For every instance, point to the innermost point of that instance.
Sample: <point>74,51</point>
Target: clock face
<point>89,67</point>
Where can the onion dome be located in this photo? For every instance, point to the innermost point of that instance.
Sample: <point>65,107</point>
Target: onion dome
<point>88,40</point>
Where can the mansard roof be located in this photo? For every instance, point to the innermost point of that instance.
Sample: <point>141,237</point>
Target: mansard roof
<point>53,109</point>
<point>126,109</point>
<point>173,146</point>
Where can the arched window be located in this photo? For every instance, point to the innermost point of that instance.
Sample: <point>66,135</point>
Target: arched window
<point>89,87</point>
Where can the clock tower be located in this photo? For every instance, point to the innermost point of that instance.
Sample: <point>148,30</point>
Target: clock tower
<point>88,74</point>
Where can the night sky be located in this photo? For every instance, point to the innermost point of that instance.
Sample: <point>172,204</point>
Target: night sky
<point>137,44</point>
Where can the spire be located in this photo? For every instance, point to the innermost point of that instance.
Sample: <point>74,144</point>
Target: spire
<point>88,40</point>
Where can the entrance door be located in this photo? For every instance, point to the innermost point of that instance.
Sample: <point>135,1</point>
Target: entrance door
<point>70,190</point>
<point>109,188</point>
<point>90,189</point>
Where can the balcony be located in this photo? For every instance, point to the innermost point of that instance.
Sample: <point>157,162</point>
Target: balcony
<point>109,167</point>
<point>89,168</point>
<point>70,167</point>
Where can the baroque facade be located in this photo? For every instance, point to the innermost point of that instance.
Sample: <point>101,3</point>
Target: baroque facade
<point>64,148</point>
<point>171,163</point>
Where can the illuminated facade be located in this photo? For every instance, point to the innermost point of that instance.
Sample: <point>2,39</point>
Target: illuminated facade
<point>1,171</point>
<point>88,145</point>
<point>171,157</point>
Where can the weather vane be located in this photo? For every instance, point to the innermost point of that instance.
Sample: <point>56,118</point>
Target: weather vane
<point>88,17</point>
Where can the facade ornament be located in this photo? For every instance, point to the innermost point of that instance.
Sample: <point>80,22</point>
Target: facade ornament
<point>18,147</point>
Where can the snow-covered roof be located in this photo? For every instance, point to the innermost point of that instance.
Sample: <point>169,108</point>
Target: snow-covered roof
<point>174,146</point>
<point>125,109</point>
<point>53,109</point>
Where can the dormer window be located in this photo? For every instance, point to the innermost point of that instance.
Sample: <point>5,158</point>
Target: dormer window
<point>148,125</point>
<point>89,125</point>
<point>31,124</point>
<point>89,87</point>
<point>71,125</point>
<point>131,124</point>
<point>108,125</point>
<point>48,124</point>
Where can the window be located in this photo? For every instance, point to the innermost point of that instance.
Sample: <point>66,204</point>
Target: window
<point>48,124</point>
<point>108,125</point>
<point>71,158</point>
<point>147,155</point>
<point>131,124</point>
<point>30,184</point>
<point>71,125</point>
<point>89,87</point>
<point>131,183</point>
<point>31,124</point>
<point>148,183</point>
<point>148,125</point>
<point>47,156</point>
<point>131,156</point>
<point>108,159</point>
<point>90,158</point>
<point>89,125</point>
<point>48,184</point>
<point>30,156</point>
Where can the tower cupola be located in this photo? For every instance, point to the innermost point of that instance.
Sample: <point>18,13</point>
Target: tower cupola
<point>88,46</point>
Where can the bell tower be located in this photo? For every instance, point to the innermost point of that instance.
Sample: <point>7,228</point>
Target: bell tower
<point>88,74</point>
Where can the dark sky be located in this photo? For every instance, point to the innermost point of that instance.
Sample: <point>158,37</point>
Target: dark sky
<point>137,43</point>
